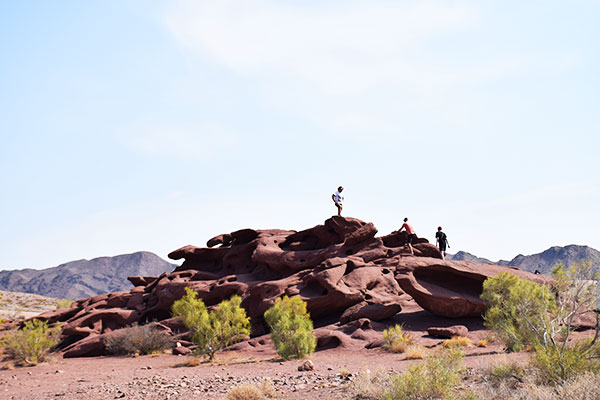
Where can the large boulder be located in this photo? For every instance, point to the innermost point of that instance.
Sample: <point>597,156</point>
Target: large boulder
<point>349,278</point>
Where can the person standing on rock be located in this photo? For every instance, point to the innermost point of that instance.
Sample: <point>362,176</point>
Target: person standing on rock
<point>411,234</point>
<point>338,199</point>
<point>441,240</point>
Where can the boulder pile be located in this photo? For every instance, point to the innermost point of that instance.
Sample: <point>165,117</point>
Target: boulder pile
<point>351,280</point>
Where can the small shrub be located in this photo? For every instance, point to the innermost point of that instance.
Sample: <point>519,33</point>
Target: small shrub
<point>250,391</point>
<point>434,379</point>
<point>457,341</point>
<point>414,353</point>
<point>368,385</point>
<point>64,303</point>
<point>396,340</point>
<point>145,339</point>
<point>482,343</point>
<point>506,371</point>
<point>245,392</point>
<point>214,331</point>
<point>31,344</point>
<point>556,366</point>
<point>291,328</point>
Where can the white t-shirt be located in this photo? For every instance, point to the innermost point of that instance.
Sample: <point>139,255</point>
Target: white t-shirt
<point>337,197</point>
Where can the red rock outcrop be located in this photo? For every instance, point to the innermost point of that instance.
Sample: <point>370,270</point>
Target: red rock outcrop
<point>349,278</point>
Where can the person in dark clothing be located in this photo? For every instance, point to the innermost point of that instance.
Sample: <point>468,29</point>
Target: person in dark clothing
<point>441,240</point>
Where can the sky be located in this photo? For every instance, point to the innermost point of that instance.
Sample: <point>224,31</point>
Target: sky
<point>129,125</point>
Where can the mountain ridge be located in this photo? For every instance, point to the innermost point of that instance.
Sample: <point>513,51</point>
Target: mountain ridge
<point>85,278</point>
<point>543,261</point>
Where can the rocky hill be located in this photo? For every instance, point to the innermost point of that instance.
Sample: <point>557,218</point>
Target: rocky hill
<point>353,282</point>
<point>542,262</point>
<point>85,278</point>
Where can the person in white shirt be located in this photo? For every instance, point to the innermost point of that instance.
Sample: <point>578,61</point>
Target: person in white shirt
<point>337,199</point>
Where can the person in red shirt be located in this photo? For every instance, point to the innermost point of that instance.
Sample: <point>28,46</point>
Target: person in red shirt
<point>411,234</point>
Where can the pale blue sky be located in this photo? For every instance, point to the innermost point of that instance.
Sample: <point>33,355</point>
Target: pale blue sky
<point>149,125</point>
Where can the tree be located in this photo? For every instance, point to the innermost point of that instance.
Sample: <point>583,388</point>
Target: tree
<point>524,313</point>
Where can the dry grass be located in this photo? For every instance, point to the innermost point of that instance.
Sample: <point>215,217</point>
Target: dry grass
<point>457,341</point>
<point>585,387</point>
<point>251,391</point>
<point>482,343</point>
<point>344,372</point>
<point>368,385</point>
<point>396,340</point>
<point>414,353</point>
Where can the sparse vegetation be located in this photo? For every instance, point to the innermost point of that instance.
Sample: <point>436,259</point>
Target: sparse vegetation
<point>291,328</point>
<point>523,313</point>
<point>251,391</point>
<point>414,353</point>
<point>457,342</point>
<point>213,331</point>
<point>434,379</point>
<point>482,343</point>
<point>396,340</point>
<point>145,339</point>
<point>63,303</point>
<point>31,344</point>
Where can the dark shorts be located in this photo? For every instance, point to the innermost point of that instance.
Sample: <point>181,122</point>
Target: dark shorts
<point>442,246</point>
<point>410,238</point>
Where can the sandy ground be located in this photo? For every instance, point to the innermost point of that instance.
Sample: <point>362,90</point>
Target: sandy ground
<point>167,377</point>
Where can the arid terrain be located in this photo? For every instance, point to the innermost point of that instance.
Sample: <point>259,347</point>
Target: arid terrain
<point>172,377</point>
<point>17,305</point>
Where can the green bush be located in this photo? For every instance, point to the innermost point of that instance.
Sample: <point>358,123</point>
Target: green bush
<point>213,331</point>
<point>144,339</point>
<point>396,340</point>
<point>516,309</point>
<point>291,328</point>
<point>434,379</point>
<point>32,343</point>
<point>523,313</point>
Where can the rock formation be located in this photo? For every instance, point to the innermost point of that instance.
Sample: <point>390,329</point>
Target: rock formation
<point>350,279</point>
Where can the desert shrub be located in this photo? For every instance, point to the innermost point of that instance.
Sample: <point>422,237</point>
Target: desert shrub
<point>63,303</point>
<point>516,307</point>
<point>213,331</point>
<point>145,339</point>
<point>482,343</point>
<point>434,379</point>
<point>556,365</point>
<point>291,328</point>
<point>32,343</point>
<point>251,391</point>
<point>368,385</point>
<point>414,353</point>
<point>524,313</point>
<point>396,340</point>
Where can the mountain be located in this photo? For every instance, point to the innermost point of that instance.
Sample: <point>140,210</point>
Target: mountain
<point>464,256</point>
<point>85,278</point>
<point>544,261</point>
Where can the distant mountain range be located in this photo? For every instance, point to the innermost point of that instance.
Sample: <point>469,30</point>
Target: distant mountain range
<point>85,278</point>
<point>544,261</point>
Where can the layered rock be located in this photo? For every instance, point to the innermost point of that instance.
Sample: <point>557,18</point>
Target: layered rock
<point>349,278</point>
